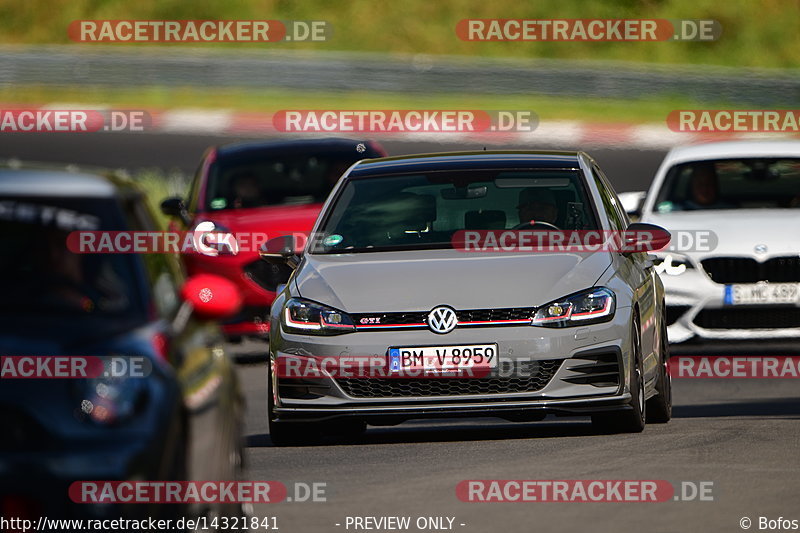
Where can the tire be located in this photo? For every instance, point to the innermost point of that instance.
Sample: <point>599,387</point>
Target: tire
<point>631,420</point>
<point>659,407</point>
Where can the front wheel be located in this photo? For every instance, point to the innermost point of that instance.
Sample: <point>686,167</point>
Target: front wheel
<point>659,407</point>
<point>631,420</point>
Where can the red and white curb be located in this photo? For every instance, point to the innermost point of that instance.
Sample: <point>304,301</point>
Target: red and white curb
<point>549,133</point>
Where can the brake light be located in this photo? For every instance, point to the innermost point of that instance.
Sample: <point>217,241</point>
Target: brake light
<point>161,345</point>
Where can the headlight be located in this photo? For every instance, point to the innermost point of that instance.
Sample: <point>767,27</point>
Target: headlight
<point>107,400</point>
<point>672,264</point>
<point>586,307</point>
<point>212,239</point>
<point>311,318</point>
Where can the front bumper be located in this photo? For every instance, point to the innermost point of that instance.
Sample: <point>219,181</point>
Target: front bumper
<point>696,309</point>
<point>578,361</point>
<point>520,410</point>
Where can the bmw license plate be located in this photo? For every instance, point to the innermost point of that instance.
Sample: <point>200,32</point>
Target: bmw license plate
<point>762,293</point>
<point>442,359</point>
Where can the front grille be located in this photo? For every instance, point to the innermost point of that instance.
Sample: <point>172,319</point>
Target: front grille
<point>749,318</point>
<point>600,370</point>
<point>674,312</point>
<point>465,318</point>
<point>390,319</point>
<point>493,315</point>
<point>267,275</point>
<point>431,387</point>
<point>747,270</point>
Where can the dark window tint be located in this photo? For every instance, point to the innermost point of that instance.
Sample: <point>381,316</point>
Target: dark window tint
<point>752,183</point>
<point>265,179</point>
<point>41,277</point>
<point>425,210</point>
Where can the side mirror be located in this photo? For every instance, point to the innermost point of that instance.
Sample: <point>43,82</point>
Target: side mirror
<point>632,203</point>
<point>281,251</point>
<point>174,207</point>
<point>643,237</point>
<point>212,297</point>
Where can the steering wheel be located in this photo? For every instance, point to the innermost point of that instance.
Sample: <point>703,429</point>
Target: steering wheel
<point>533,224</point>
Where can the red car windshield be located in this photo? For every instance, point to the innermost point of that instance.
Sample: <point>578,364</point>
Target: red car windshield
<point>237,182</point>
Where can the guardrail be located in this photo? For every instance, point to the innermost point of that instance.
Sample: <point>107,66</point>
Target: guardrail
<point>113,66</point>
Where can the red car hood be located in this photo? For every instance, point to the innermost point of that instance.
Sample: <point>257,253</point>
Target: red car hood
<point>251,227</point>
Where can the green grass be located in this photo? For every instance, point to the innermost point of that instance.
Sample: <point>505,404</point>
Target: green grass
<point>756,33</point>
<point>159,185</point>
<point>547,108</point>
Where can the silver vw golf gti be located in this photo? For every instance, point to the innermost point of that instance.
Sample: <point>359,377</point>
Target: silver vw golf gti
<point>415,297</point>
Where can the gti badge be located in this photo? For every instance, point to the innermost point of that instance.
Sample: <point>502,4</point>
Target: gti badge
<point>442,319</point>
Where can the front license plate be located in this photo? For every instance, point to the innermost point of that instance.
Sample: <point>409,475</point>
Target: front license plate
<point>762,293</point>
<point>442,359</point>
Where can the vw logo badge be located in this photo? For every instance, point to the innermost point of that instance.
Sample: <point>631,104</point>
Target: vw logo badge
<point>760,249</point>
<point>442,319</point>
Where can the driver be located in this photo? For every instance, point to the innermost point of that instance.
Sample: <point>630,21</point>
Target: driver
<point>246,190</point>
<point>704,187</point>
<point>537,205</point>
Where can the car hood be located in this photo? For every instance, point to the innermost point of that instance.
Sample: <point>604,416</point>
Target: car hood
<point>734,232</point>
<point>274,221</point>
<point>421,280</point>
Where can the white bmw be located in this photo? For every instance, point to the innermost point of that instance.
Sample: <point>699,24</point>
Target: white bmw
<point>733,268</point>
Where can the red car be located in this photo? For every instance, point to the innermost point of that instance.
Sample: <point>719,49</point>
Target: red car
<point>255,191</point>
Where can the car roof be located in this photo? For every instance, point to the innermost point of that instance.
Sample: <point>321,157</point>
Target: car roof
<point>494,159</point>
<point>734,149</point>
<point>331,144</point>
<point>48,182</point>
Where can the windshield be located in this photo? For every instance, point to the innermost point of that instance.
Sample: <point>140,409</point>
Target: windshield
<point>41,277</point>
<point>753,183</point>
<point>423,211</point>
<point>256,180</point>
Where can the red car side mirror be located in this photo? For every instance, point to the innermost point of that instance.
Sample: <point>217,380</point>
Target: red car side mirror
<point>212,297</point>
